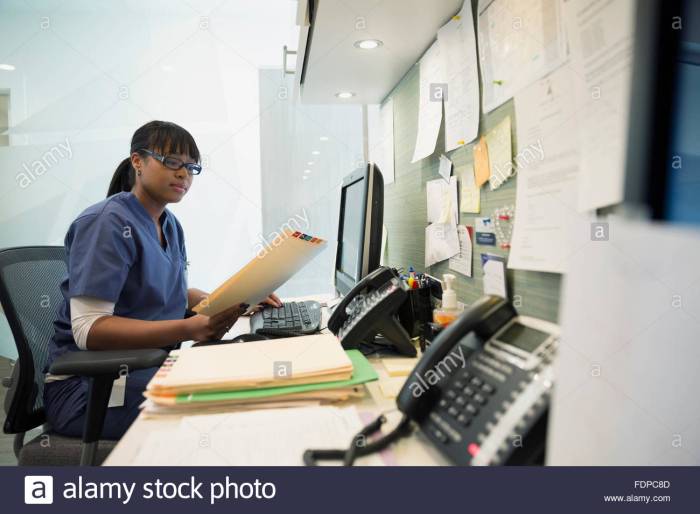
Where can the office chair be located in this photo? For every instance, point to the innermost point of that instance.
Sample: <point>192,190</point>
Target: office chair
<point>30,279</point>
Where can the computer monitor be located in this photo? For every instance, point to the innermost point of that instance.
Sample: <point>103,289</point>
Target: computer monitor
<point>359,226</point>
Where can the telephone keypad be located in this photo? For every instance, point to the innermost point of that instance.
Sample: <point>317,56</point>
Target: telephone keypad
<point>488,388</point>
<point>464,420</point>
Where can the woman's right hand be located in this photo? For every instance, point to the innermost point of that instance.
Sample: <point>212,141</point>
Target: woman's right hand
<point>206,328</point>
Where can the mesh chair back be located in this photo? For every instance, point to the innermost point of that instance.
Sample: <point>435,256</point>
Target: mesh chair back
<point>30,279</point>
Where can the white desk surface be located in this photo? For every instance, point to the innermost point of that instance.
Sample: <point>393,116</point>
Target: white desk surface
<point>411,451</point>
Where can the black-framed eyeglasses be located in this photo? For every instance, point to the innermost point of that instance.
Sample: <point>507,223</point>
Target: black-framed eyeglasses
<point>174,163</point>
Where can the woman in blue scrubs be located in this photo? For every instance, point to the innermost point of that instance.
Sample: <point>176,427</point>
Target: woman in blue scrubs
<point>126,285</point>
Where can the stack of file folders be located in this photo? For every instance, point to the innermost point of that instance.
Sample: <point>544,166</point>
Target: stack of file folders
<point>295,371</point>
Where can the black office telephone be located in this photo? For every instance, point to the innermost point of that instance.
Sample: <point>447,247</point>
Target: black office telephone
<point>370,310</point>
<point>480,392</point>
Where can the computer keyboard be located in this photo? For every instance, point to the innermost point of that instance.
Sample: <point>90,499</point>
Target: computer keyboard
<point>293,318</point>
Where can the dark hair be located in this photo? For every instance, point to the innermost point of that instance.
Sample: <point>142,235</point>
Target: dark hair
<point>163,137</point>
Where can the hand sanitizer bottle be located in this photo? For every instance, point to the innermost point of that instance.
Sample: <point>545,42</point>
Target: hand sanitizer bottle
<point>450,310</point>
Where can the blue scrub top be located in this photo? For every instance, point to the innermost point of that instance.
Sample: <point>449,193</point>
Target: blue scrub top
<point>114,254</point>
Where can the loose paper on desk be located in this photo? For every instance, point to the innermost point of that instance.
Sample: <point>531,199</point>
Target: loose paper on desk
<point>271,437</point>
<point>500,153</point>
<point>462,262</point>
<point>441,242</point>
<point>520,41</point>
<point>442,200</point>
<point>548,226</point>
<point>445,169</point>
<point>601,35</point>
<point>482,168</point>
<point>380,128</point>
<point>430,102</point>
<point>458,52</point>
<point>470,199</point>
<point>494,275</point>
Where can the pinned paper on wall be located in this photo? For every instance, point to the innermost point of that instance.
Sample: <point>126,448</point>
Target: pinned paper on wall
<point>494,274</point>
<point>430,102</point>
<point>500,154</point>
<point>602,41</point>
<point>485,232</point>
<point>442,201</point>
<point>445,169</point>
<point>441,242</point>
<point>458,52</point>
<point>519,42</point>
<point>462,262</point>
<point>470,200</point>
<point>482,168</point>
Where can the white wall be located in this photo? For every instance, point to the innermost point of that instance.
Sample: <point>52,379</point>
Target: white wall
<point>290,134</point>
<point>87,74</point>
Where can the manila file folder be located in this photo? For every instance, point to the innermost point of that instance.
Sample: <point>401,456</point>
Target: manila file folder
<point>267,271</point>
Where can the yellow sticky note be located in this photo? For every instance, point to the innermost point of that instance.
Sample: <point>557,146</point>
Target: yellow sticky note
<point>470,199</point>
<point>482,170</point>
<point>500,153</point>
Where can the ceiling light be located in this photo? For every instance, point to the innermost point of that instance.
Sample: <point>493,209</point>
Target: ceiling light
<point>310,163</point>
<point>307,171</point>
<point>315,152</point>
<point>368,44</point>
<point>7,67</point>
<point>344,95</point>
<point>306,177</point>
<point>323,138</point>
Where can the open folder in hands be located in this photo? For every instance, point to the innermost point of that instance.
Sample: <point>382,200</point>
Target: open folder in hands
<point>264,274</point>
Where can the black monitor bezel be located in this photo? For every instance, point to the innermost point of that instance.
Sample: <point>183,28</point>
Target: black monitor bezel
<point>344,282</point>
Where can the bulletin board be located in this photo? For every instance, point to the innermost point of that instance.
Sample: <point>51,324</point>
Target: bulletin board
<point>405,209</point>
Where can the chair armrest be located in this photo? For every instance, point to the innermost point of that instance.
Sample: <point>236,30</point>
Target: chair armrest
<point>92,363</point>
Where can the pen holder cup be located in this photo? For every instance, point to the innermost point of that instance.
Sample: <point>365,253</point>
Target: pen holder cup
<point>416,311</point>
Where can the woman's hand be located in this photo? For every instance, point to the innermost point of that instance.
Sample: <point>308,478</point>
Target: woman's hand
<point>272,300</point>
<point>208,328</point>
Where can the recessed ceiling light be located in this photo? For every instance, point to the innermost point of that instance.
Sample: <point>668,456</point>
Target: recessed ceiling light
<point>368,44</point>
<point>167,68</point>
<point>7,67</point>
<point>323,138</point>
<point>343,95</point>
<point>307,171</point>
<point>306,177</point>
<point>315,152</point>
<point>310,163</point>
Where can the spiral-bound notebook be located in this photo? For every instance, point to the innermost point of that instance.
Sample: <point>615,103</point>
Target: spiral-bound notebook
<point>267,271</point>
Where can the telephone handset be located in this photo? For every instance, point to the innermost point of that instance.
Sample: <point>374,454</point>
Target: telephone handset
<point>369,309</point>
<point>480,392</point>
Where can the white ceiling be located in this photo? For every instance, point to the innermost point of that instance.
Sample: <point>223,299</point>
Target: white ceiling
<point>406,28</point>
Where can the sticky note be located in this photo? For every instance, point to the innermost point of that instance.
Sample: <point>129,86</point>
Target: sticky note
<point>482,169</point>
